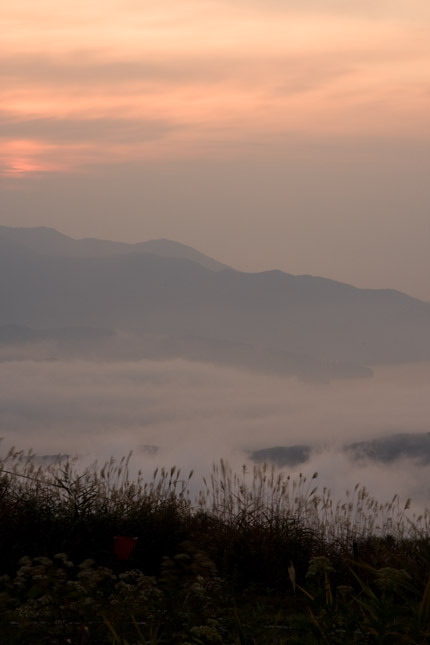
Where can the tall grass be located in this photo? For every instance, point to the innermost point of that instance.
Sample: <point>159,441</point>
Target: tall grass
<point>264,493</point>
<point>250,550</point>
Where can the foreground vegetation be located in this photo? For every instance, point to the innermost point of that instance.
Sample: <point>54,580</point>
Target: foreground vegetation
<point>256,558</point>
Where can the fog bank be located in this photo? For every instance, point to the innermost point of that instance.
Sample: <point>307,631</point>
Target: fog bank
<point>191,415</point>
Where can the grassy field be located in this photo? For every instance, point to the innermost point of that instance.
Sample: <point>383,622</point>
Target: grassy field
<point>256,558</point>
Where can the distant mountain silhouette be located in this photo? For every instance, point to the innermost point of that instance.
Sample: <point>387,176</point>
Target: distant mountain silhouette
<point>18,334</point>
<point>23,343</point>
<point>394,447</point>
<point>104,344</point>
<point>48,241</point>
<point>148,294</point>
<point>245,356</point>
<point>282,456</point>
<point>387,449</point>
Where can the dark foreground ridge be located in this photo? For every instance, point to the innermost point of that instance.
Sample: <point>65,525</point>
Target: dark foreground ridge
<point>98,558</point>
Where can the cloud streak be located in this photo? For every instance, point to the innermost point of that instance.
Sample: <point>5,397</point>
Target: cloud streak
<point>73,130</point>
<point>219,72</point>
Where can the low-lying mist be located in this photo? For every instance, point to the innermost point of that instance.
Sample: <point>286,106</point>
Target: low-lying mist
<point>177,412</point>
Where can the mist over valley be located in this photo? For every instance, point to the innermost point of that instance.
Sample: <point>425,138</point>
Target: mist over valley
<point>154,348</point>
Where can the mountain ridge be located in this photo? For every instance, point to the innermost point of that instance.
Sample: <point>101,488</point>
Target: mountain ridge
<point>177,297</point>
<point>157,246</point>
<point>48,241</point>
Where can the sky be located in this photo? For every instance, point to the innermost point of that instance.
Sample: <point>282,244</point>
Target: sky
<point>290,134</point>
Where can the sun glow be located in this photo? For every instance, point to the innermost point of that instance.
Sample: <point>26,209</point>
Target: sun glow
<point>165,79</point>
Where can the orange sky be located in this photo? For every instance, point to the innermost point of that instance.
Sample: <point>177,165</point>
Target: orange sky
<point>139,80</point>
<point>267,133</point>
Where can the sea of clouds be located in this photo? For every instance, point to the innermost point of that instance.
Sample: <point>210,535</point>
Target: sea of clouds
<point>193,414</point>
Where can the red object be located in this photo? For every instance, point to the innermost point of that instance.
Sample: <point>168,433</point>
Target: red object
<point>124,546</point>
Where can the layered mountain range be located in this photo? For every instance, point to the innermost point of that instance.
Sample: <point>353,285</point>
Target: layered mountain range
<point>176,302</point>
